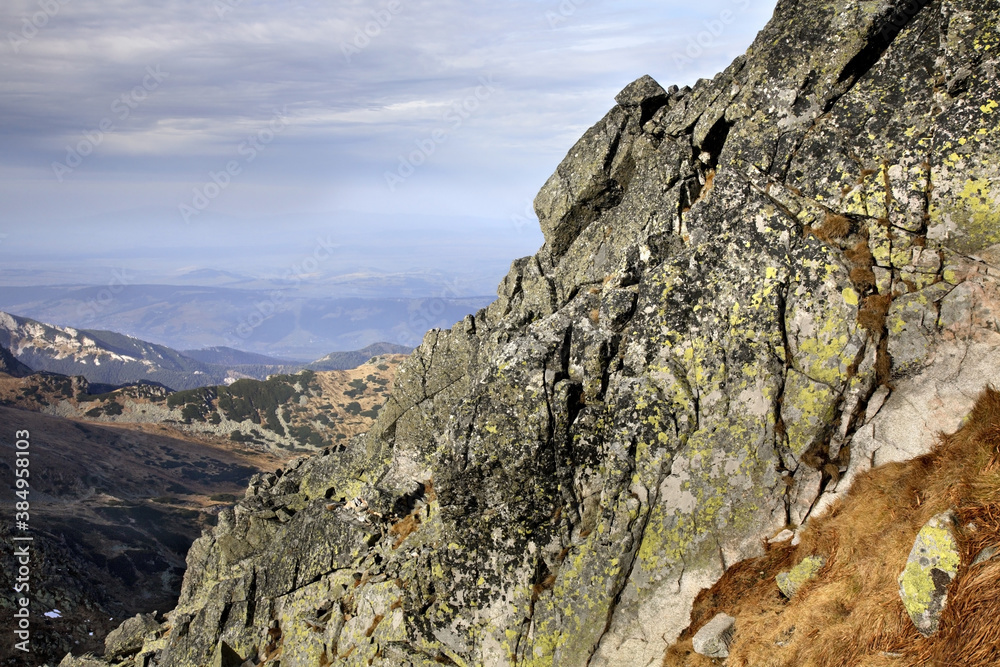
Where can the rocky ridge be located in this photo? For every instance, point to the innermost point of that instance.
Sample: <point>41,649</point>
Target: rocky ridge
<point>303,412</point>
<point>750,292</point>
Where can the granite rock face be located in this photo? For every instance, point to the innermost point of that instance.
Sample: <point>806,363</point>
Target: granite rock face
<point>745,287</point>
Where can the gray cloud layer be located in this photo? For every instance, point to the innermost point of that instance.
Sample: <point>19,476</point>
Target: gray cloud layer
<point>298,107</point>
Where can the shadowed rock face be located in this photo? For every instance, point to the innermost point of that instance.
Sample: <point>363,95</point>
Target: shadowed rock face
<point>10,365</point>
<point>744,288</point>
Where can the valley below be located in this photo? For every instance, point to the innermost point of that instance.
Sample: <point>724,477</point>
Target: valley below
<point>122,482</point>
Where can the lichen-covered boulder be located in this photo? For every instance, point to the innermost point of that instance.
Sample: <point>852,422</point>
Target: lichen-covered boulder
<point>714,638</point>
<point>129,637</point>
<point>790,582</point>
<point>930,569</point>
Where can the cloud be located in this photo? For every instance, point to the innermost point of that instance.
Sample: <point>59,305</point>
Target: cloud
<point>360,82</point>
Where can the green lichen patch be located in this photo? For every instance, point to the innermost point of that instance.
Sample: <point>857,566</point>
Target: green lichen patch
<point>790,582</point>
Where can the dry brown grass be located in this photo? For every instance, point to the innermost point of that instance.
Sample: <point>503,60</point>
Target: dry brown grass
<point>833,228</point>
<point>860,255</point>
<point>871,315</point>
<point>863,277</point>
<point>404,529</point>
<point>851,614</point>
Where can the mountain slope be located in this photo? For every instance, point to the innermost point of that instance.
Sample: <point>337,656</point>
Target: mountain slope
<point>227,356</point>
<point>109,358</point>
<point>113,512</point>
<point>11,366</point>
<point>101,356</point>
<point>306,411</point>
<point>750,292</point>
<point>337,361</point>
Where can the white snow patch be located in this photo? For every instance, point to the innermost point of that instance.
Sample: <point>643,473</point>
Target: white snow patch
<point>55,613</point>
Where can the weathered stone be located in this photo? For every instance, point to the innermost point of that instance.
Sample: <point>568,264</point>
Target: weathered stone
<point>714,638</point>
<point>128,637</point>
<point>225,656</point>
<point>986,554</point>
<point>790,582</point>
<point>930,569</point>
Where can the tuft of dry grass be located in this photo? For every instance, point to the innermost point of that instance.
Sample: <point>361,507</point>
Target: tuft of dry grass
<point>871,315</point>
<point>404,529</point>
<point>851,614</point>
<point>833,228</point>
<point>860,255</point>
<point>863,277</point>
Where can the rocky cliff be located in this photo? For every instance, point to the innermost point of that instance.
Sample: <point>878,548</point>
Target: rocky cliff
<point>750,291</point>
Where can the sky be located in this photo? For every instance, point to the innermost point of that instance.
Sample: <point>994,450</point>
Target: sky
<point>236,134</point>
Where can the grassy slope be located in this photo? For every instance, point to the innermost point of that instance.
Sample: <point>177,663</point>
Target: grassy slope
<point>851,614</point>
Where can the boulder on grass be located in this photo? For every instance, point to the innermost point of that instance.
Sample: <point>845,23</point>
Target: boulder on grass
<point>930,569</point>
<point>714,638</point>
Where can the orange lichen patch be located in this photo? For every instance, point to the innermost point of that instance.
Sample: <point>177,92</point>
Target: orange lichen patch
<point>851,614</point>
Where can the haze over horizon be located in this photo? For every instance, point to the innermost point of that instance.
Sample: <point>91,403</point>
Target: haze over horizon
<point>242,135</point>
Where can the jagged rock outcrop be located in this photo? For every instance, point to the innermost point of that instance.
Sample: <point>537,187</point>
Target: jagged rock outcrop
<point>748,289</point>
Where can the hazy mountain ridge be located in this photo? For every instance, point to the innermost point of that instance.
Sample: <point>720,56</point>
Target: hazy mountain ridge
<point>342,360</point>
<point>110,358</point>
<point>297,321</point>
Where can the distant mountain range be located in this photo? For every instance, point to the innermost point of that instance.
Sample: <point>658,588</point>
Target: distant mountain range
<point>109,358</point>
<point>337,361</point>
<point>277,320</point>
